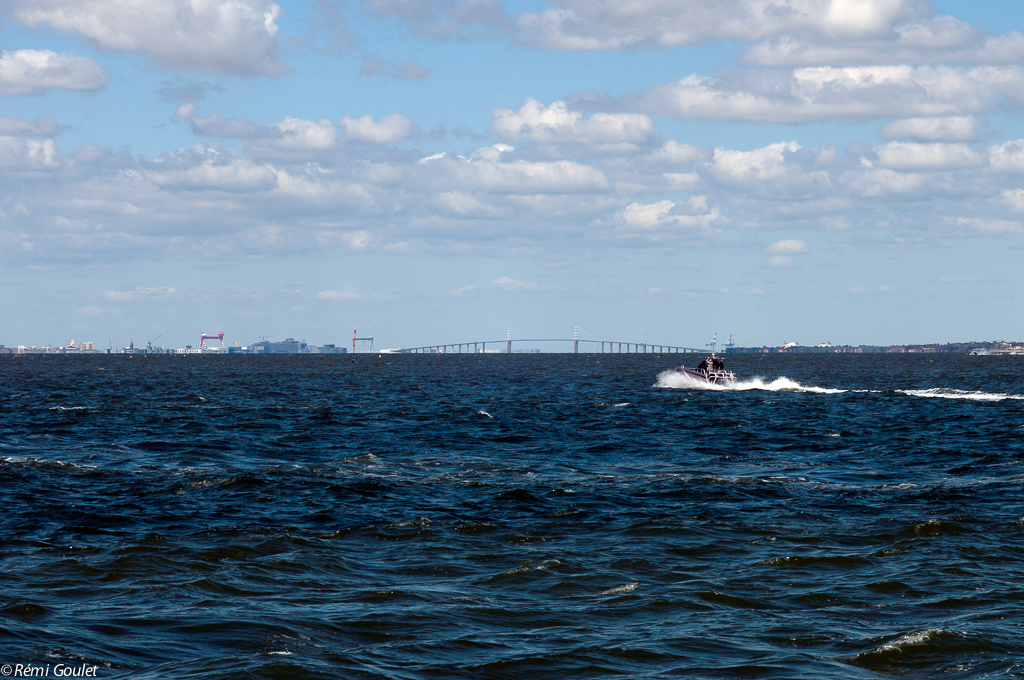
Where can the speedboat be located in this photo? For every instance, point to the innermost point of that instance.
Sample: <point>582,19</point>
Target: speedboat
<point>711,370</point>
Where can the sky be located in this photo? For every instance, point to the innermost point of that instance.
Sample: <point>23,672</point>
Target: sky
<point>441,171</point>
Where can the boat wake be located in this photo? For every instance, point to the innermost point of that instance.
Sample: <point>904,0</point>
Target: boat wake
<point>672,380</point>
<point>970,395</point>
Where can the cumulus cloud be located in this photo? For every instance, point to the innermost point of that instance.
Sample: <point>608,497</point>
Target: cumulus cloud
<point>781,261</point>
<point>586,25</point>
<point>941,129</point>
<point>652,217</point>
<point>833,93</point>
<point>1008,156</point>
<point>338,295</point>
<point>296,135</point>
<point>782,170</point>
<point>988,226</point>
<point>25,72</point>
<point>787,247</point>
<point>488,170</point>
<point>916,156</point>
<point>673,152</point>
<point>207,169</point>
<point>392,128</point>
<point>21,155</point>
<point>510,284</point>
<point>557,124</point>
<point>141,293</point>
<point>942,39</point>
<point>43,126</point>
<point>216,36</point>
<point>216,125</point>
<point>289,137</point>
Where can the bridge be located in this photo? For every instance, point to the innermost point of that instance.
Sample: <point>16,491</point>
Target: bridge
<point>612,346</point>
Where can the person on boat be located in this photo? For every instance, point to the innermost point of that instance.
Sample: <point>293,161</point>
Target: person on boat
<point>704,366</point>
<point>717,363</point>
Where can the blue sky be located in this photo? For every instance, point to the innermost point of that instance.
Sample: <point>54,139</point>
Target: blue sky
<point>430,171</point>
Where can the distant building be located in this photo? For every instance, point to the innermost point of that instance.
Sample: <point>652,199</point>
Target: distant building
<point>286,346</point>
<point>329,349</point>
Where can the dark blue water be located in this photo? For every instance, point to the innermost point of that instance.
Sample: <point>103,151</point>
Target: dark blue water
<point>512,516</point>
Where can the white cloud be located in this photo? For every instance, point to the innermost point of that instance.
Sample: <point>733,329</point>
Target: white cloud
<point>218,36</point>
<point>831,93</point>
<point>557,124</point>
<point>963,278</point>
<point>989,226</point>
<point>43,126</point>
<point>876,182</point>
<point>33,71</point>
<point>338,295</point>
<point>508,283</point>
<point>205,169</point>
<point>943,129</point>
<point>781,261</point>
<point>1013,197</point>
<point>673,152</point>
<point>915,156</point>
<point>488,170</point>
<point>787,247</point>
<point>296,135</point>
<point>464,204</point>
<point>781,169</point>
<point>764,163</point>
<point>1008,156</point>
<point>462,290</point>
<point>358,240</point>
<point>141,293</point>
<point>587,25</point>
<point>290,137</point>
<point>941,39</point>
<point>392,128</point>
<point>18,154</point>
<point>649,217</point>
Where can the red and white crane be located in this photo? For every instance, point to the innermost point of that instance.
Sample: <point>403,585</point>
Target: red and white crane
<point>203,337</point>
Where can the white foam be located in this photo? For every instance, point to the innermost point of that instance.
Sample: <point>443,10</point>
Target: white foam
<point>673,380</point>
<point>620,590</point>
<point>948,393</point>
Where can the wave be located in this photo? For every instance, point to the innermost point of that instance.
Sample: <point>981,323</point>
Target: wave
<point>949,393</point>
<point>672,380</point>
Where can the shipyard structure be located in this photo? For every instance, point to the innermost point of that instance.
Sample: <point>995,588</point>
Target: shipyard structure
<point>208,344</point>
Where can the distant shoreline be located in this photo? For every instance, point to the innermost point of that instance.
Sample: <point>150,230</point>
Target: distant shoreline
<point>979,348</point>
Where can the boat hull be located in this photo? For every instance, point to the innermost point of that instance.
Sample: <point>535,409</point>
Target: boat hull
<point>710,377</point>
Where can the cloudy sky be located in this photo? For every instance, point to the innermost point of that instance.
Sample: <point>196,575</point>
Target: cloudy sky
<point>432,171</point>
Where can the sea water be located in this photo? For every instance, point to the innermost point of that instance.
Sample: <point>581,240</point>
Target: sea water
<point>512,516</point>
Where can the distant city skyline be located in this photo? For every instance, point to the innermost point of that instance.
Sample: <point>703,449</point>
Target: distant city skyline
<point>433,172</point>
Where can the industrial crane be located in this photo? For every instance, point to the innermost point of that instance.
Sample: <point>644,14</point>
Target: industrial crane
<point>354,338</point>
